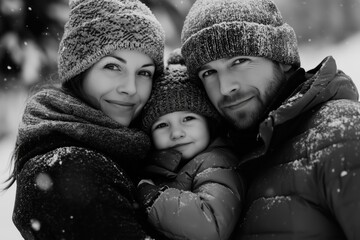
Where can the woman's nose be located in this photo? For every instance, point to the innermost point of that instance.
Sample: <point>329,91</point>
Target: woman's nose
<point>127,85</point>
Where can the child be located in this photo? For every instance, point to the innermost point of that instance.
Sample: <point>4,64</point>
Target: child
<point>191,190</point>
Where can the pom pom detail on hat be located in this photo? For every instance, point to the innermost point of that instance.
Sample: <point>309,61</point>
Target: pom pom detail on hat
<point>215,29</point>
<point>174,91</point>
<point>97,28</point>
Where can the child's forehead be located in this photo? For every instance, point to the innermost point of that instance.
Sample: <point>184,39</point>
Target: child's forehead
<point>177,114</point>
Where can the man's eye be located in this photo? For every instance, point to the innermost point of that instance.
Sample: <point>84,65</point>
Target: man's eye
<point>240,61</point>
<point>188,118</point>
<point>160,125</point>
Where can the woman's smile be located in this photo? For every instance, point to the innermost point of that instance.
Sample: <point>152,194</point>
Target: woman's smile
<point>122,104</point>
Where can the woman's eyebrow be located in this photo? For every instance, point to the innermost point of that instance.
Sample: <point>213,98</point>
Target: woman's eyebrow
<point>148,65</point>
<point>118,58</point>
<point>124,61</point>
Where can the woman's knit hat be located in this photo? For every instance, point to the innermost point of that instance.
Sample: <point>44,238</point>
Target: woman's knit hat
<point>174,91</point>
<point>215,29</point>
<point>97,28</point>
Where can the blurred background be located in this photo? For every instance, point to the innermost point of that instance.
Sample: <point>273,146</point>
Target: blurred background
<point>30,31</point>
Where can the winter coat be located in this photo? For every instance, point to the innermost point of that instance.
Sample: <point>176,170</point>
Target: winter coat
<point>74,170</point>
<point>304,176</point>
<point>204,198</point>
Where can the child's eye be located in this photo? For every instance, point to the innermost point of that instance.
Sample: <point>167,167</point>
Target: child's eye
<point>188,118</point>
<point>207,73</point>
<point>160,125</point>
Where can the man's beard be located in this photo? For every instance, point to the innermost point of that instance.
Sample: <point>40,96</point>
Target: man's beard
<point>246,120</point>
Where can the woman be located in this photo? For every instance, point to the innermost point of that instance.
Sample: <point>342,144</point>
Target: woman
<point>76,153</point>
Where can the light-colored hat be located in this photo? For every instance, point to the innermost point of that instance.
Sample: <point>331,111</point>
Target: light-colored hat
<point>97,28</point>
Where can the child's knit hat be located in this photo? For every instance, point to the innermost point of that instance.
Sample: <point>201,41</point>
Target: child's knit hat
<point>174,91</point>
<point>215,29</point>
<point>97,28</point>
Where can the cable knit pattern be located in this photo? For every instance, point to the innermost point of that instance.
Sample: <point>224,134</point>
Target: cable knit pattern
<point>98,28</point>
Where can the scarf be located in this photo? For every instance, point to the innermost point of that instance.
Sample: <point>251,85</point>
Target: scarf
<point>53,118</point>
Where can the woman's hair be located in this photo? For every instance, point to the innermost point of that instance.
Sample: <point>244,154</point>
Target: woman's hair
<point>72,88</point>
<point>75,89</point>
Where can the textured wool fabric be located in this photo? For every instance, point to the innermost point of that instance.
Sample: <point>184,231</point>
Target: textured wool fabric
<point>53,111</point>
<point>97,28</point>
<point>215,29</point>
<point>174,91</point>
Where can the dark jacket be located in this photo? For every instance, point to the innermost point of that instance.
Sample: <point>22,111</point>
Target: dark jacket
<point>74,171</point>
<point>204,198</point>
<point>304,175</point>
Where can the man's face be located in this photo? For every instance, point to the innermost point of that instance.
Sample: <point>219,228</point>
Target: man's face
<point>241,87</point>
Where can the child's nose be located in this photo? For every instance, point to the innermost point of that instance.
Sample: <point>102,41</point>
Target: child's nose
<point>177,133</point>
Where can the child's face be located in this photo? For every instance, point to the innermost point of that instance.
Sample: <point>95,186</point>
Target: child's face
<point>185,132</point>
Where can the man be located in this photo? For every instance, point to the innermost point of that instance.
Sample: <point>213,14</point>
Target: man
<point>297,132</point>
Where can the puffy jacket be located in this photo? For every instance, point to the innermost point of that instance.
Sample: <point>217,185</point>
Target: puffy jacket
<point>204,199</point>
<point>304,177</point>
<point>74,172</point>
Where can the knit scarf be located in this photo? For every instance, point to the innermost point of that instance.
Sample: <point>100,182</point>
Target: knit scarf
<point>53,118</point>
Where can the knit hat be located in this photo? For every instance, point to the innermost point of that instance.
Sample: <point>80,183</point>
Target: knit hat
<point>97,28</point>
<point>174,91</point>
<point>215,29</point>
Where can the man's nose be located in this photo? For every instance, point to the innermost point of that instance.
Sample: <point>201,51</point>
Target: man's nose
<point>228,83</point>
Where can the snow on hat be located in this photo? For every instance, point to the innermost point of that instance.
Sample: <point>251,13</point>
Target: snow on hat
<point>215,29</point>
<point>97,28</point>
<point>174,91</point>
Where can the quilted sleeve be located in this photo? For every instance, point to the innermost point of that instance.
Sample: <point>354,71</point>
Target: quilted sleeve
<point>210,209</point>
<point>342,184</point>
<point>339,171</point>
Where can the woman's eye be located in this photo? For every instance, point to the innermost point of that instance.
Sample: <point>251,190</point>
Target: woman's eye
<point>146,73</point>
<point>160,125</point>
<point>112,66</point>
<point>188,118</point>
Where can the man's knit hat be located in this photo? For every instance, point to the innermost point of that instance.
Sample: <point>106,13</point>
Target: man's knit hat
<point>215,29</point>
<point>97,28</point>
<point>174,91</point>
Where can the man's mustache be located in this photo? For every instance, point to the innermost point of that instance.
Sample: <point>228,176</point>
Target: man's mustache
<point>229,99</point>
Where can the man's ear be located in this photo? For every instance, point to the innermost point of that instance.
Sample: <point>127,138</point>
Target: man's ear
<point>285,67</point>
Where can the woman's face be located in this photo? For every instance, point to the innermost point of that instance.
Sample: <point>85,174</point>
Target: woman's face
<point>120,84</point>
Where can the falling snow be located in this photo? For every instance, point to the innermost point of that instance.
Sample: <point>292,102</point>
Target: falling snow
<point>343,53</point>
<point>43,181</point>
<point>35,224</point>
